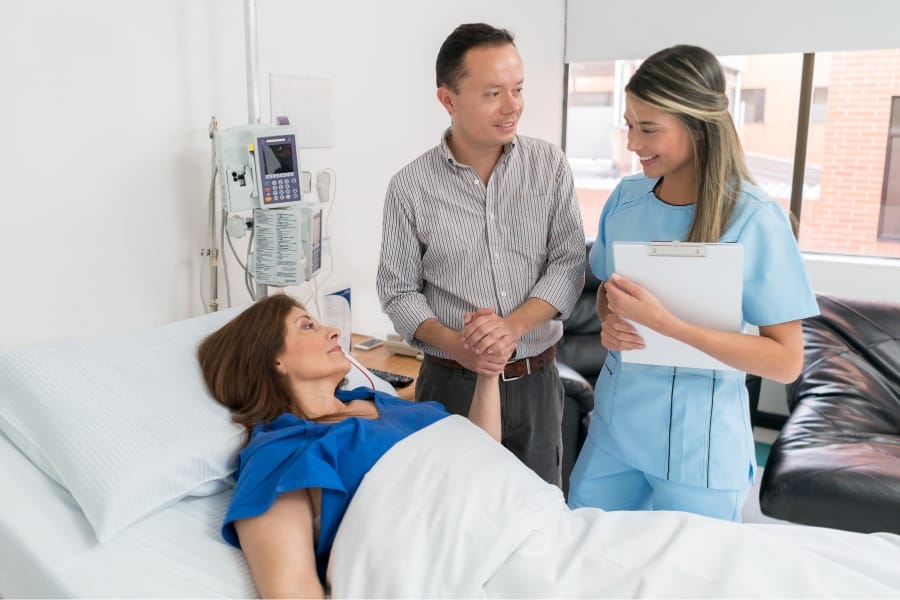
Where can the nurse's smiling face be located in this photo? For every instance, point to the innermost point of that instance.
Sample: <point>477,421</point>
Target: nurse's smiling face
<point>661,141</point>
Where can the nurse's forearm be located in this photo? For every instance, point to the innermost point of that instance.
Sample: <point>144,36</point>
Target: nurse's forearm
<point>776,353</point>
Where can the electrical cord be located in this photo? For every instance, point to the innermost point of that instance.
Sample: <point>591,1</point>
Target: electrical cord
<point>316,283</point>
<point>360,369</point>
<point>224,262</point>
<point>331,202</point>
<point>234,251</point>
<point>248,278</point>
<point>210,221</point>
<point>202,296</point>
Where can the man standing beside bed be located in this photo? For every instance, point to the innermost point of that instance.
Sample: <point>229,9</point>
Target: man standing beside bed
<point>486,222</point>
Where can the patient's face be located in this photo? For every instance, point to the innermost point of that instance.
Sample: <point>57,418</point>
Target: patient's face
<point>311,350</point>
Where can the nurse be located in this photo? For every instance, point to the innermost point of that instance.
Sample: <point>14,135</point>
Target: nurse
<point>671,438</point>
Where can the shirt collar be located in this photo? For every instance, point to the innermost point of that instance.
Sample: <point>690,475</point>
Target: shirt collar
<point>346,395</point>
<point>447,154</point>
<point>651,183</point>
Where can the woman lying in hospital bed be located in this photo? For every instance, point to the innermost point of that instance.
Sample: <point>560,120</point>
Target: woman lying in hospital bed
<point>377,497</point>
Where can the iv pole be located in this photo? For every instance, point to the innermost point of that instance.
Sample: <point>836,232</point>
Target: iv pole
<point>250,48</point>
<point>212,252</point>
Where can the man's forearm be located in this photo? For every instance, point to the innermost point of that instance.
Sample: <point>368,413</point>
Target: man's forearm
<point>433,333</point>
<point>531,314</point>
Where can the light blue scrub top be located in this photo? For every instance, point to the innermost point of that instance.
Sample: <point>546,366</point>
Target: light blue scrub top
<point>692,426</point>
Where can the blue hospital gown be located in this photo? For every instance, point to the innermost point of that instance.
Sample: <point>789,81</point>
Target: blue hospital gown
<point>292,453</point>
<point>692,426</point>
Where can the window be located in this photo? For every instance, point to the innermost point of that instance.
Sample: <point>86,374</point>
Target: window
<point>595,144</point>
<point>769,88</point>
<point>591,99</point>
<point>889,227</point>
<point>851,187</point>
<point>849,210</point>
<point>819,105</point>
<point>753,106</point>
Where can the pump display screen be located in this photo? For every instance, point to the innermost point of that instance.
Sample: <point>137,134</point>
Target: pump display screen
<point>279,158</point>
<point>279,165</point>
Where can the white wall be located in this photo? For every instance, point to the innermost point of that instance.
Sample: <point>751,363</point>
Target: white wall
<point>104,113</point>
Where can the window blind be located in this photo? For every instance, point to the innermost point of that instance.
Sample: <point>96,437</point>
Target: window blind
<point>617,29</point>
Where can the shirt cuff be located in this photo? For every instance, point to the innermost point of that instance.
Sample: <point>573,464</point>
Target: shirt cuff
<point>407,314</point>
<point>558,292</point>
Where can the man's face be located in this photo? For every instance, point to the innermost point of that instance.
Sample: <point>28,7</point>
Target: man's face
<point>488,102</point>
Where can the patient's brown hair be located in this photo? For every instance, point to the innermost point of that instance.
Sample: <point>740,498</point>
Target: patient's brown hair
<point>238,362</point>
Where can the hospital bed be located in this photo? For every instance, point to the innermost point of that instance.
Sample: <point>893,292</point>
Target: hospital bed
<point>114,477</point>
<point>50,551</point>
<point>86,413</point>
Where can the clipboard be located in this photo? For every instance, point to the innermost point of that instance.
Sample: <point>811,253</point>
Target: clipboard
<point>699,283</point>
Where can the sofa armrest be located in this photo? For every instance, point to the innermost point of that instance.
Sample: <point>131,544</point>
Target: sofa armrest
<point>836,462</point>
<point>576,387</point>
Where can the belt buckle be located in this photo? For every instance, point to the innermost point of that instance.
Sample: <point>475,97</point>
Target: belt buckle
<point>527,371</point>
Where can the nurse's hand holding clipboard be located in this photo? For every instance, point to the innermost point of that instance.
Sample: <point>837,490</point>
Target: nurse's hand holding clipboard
<point>619,299</point>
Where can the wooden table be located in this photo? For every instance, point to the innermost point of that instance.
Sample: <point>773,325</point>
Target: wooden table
<point>382,358</point>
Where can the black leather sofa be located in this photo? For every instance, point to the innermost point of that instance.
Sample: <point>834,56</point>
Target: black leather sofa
<point>580,346</point>
<point>836,462</point>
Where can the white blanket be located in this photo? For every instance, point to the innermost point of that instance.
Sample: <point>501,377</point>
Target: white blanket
<point>448,512</point>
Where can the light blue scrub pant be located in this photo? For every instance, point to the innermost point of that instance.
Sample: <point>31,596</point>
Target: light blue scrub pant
<point>612,484</point>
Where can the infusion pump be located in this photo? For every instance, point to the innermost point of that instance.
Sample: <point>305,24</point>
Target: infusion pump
<point>258,167</point>
<point>259,170</point>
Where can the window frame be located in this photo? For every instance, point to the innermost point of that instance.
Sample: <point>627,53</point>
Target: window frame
<point>893,135</point>
<point>806,118</point>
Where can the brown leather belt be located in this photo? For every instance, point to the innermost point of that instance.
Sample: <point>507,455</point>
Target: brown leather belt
<point>515,369</point>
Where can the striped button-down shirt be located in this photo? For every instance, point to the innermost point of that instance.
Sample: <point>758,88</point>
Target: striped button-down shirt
<point>450,244</point>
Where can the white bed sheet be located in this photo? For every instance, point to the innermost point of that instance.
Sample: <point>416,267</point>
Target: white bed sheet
<point>475,522</point>
<point>48,548</point>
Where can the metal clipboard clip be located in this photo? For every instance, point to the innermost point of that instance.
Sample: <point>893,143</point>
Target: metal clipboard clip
<point>676,248</point>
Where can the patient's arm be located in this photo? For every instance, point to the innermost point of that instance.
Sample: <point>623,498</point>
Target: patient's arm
<point>278,545</point>
<point>485,409</point>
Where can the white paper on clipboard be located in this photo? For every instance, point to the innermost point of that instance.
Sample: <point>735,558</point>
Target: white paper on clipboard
<point>699,283</point>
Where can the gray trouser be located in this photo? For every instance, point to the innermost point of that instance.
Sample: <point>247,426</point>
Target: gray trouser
<point>531,410</point>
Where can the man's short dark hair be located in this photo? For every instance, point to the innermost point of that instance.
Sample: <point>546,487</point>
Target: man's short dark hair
<point>450,67</point>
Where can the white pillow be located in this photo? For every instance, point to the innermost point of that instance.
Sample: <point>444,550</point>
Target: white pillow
<point>125,423</point>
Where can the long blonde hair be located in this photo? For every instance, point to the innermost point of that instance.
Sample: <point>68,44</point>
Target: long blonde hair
<point>689,83</point>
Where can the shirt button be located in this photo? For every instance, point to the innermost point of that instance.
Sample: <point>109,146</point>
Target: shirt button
<point>503,294</point>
